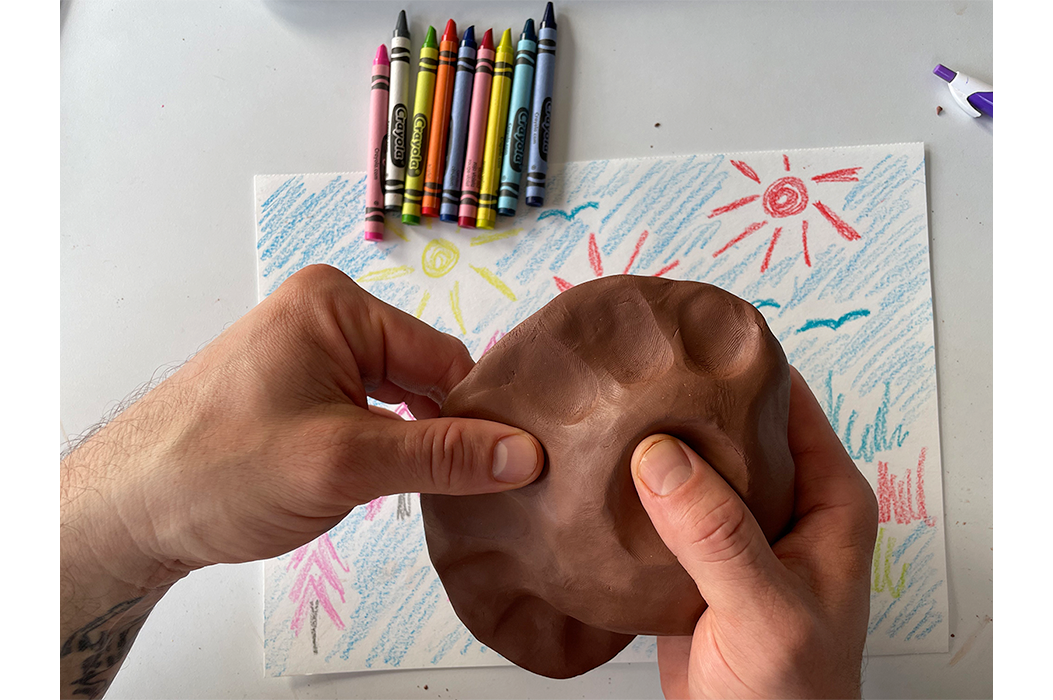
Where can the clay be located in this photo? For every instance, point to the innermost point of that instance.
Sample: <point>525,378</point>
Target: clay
<point>560,576</point>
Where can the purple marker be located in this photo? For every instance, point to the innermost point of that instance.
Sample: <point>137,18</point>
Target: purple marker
<point>973,96</point>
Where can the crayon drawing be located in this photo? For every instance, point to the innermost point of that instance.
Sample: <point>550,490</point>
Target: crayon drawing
<point>831,245</point>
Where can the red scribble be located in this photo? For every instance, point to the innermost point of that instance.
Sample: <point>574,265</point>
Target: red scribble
<point>746,170</point>
<point>562,284</point>
<point>846,231</point>
<point>749,229</point>
<point>667,268</point>
<point>636,251</point>
<point>786,162</point>
<point>771,249</point>
<point>804,242</point>
<point>787,196</point>
<point>498,334</point>
<point>734,205</point>
<point>897,497</point>
<point>373,507</point>
<point>846,175</point>
<point>594,256</point>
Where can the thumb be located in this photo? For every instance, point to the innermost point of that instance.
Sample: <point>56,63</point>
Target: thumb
<point>455,456</point>
<point>704,523</point>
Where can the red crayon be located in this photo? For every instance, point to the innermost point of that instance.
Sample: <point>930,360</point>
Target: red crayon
<point>378,126</point>
<point>473,158</point>
<point>440,121</point>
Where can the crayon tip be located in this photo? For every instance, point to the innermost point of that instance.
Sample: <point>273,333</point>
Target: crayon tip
<point>401,26</point>
<point>410,220</point>
<point>451,31</point>
<point>506,40</point>
<point>528,32</point>
<point>448,218</point>
<point>429,39</point>
<point>549,20</point>
<point>468,38</point>
<point>382,56</point>
<point>466,222</point>
<point>488,40</point>
<point>534,201</point>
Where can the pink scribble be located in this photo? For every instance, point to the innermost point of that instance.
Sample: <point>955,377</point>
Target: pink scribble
<point>403,410</point>
<point>899,499</point>
<point>498,334</point>
<point>373,507</point>
<point>314,562</point>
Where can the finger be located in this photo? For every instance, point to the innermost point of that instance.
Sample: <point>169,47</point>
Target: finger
<point>419,406</point>
<point>835,510</point>
<point>825,475</point>
<point>704,523</point>
<point>456,456</point>
<point>384,342</point>
<point>674,656</point>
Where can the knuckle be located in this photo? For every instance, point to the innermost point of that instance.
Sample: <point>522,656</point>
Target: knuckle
<point>451,459</point>
<point>719,531</point>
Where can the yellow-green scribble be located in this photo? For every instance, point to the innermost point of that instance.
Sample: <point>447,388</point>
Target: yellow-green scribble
<point>423,303</point>
<point>439,257</point>
<point>388,273</point>
<point>390,226</point>
<point>883,567</point>
<point>455,306</point>
<point>484,238</point>
<point>495,281</point>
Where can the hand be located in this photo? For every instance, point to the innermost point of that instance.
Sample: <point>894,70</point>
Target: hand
<point>259,444</point>
<point>785,621</point>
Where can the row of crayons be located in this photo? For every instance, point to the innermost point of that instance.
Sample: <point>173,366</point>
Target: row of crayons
<point>480,114</point>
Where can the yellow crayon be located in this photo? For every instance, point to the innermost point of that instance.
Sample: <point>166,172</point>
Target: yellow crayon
<point>500,92</point>
<point>418,146</point>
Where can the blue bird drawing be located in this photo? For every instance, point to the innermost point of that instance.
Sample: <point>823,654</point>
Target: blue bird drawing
<point>833,323</point>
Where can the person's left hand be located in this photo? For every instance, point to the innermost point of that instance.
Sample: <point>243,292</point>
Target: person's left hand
<point>264,440</point>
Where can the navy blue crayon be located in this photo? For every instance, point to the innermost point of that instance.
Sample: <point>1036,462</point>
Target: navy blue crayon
<point>541,116</point>
<point>462,102</point>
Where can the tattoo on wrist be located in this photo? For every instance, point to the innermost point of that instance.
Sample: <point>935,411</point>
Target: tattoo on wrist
<point>103,643</point>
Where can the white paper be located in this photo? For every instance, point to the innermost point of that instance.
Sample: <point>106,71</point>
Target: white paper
<point>830,244</point>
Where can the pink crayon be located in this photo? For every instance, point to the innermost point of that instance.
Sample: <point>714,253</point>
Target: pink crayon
<point>473,158</point>
<point>378,127</point>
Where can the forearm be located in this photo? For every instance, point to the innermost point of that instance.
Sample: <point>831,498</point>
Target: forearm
<point>108,583</point>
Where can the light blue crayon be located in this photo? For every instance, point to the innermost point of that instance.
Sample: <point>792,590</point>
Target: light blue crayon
<point>458,139</point>
<point>541,115</point>
<point>517,132</point>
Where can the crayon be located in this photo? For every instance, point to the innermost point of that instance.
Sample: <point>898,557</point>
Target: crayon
<point>440,121</point>
<point>473,156</point>
<point>418,145</point>
<point>541,114</point>
<point>500,90</point>
<point>378,124</point>
<point>517,131</point>
<point>398,110</point>
<point>462,97</point>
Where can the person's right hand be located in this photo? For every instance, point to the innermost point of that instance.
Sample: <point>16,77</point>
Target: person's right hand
<point>785,621</point>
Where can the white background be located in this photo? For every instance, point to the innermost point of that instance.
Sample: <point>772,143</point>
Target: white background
<point>169,109</point>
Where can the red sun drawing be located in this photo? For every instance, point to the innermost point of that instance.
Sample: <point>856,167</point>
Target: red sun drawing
<point>596,262</point>
<point>784,198</point>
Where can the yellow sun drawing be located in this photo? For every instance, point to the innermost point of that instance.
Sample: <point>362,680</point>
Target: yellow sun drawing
<point>438,260</point>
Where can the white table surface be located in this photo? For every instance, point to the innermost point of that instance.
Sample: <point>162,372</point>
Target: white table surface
<point>170,108</point>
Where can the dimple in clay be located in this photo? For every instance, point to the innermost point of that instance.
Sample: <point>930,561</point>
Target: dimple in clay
<point>560,576</point>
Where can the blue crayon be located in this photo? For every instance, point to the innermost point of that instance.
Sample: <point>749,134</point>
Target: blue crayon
<point>541,117</point>
<point>462,102</point>
<point>517,132</point>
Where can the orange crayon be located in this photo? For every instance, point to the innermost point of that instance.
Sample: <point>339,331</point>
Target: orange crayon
<point>440,121</point>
